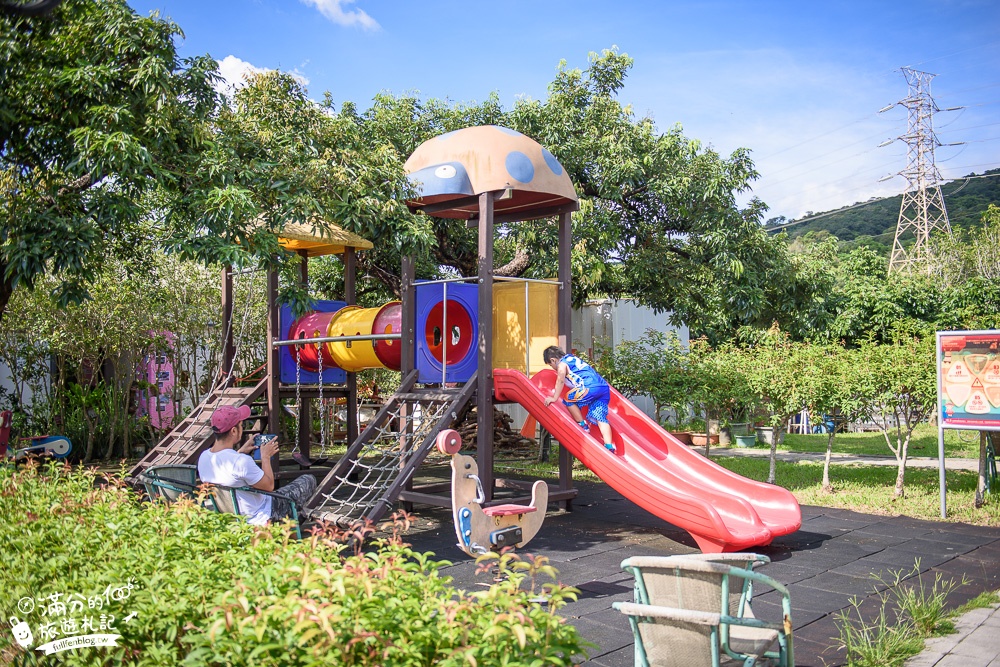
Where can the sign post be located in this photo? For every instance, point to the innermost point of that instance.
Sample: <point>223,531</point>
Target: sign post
<point>968,386</point>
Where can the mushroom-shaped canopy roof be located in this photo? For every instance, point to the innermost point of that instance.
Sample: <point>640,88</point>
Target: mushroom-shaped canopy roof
<point>460,164</point>
<point>320,238</point>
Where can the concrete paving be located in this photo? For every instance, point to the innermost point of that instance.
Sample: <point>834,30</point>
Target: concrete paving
<point>831,560</point>
<point>844,459</point>
<point>975,643</point>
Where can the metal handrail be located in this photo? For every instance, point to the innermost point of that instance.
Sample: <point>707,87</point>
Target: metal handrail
<point>335,339</point>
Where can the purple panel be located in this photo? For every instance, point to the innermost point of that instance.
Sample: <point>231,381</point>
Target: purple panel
<point>461,347</point>
<point>287,356</point>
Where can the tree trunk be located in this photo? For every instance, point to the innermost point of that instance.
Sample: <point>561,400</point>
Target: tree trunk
<point>772,471</point>
<point>6,289</point>
<point>827,487</point>
<point>898,491</point>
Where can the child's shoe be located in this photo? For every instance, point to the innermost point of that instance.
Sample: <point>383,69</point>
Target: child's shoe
<point>610,446</point>
<point>583,425</point>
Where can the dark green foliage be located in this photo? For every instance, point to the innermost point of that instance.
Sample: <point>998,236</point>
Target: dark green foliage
<point>875,222</point>
<point>211,589</point>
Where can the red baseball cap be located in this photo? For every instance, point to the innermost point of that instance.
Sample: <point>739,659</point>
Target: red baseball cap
<point>228,416</point>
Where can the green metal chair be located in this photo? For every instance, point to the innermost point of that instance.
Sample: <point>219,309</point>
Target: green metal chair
<point>226,501</point>
<point>170,482</point>
<point>695,610</point>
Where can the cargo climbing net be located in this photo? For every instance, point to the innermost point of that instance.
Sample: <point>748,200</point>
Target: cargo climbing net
<point>396,435</point>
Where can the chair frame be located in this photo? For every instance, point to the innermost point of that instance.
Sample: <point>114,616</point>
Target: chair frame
<point>160,487</point>
<point>231,490</point>
<point>643,607</point>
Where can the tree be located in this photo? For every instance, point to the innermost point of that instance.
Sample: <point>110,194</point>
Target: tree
<point>654,366</point>
<point>716,383</point>
<point>658,220</point>
<point>111,147</point>
<point>98,112</point>
<point>901,381</point>
<point>831,386</point>
<point>773,373</point>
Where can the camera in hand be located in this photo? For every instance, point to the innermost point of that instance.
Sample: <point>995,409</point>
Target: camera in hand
<point>259,441</point>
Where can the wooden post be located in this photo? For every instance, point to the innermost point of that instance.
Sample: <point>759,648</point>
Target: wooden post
<point>305,407</point>
<point>228,348</point>
<point>273,374</point>
<point>565,334</point>
<point>408,359</point>
<point>408,324</point>
<point>484,389</point>
<point>351,297</point>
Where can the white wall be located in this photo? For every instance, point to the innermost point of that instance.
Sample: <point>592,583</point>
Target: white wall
<point>608,323</point>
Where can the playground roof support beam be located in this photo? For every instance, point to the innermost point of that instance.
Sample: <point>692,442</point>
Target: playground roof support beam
<point>534,214</point>
<point>351,297</point>
<point>484,378</point>
<point>431,209</point>
<point>566,331</point>
<point>273,374</point>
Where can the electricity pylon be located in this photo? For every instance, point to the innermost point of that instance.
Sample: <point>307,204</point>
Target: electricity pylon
<point>922,210</point>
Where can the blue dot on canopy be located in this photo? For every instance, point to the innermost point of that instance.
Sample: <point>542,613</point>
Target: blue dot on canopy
<point>519,166</point>
<point>507,130</point>
<point>553,163</point>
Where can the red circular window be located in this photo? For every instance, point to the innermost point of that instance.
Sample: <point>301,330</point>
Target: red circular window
<point>459,327</point>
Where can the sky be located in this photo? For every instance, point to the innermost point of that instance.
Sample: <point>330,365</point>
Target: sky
<point>799,84</point>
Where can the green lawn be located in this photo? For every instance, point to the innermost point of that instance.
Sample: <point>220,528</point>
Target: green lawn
<point>868,489</point>
<point>861,488</point>
<point>957,444</point>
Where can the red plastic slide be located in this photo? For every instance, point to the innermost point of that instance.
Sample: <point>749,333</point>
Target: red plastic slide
<point>722,510</point>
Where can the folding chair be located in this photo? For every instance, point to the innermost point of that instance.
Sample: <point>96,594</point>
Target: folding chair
<point>227,502</point>
<point>170,482</point>
<point>684,613</point>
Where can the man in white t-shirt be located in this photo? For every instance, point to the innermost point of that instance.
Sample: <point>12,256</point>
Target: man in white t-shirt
<point>229,464</point>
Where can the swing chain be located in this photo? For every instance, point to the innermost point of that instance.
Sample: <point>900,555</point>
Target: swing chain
<point>322,405</point>
<point>298,396</point>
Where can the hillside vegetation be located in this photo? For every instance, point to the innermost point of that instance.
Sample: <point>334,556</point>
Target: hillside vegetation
<point>874,223</point>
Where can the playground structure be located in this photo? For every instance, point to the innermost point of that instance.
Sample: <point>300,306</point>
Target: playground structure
<point>56,446</point>
<point>458,342</point>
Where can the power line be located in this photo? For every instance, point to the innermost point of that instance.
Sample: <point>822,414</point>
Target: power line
<point>866,203</point>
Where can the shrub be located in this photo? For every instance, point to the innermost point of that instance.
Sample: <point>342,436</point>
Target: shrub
<point>207,588</point>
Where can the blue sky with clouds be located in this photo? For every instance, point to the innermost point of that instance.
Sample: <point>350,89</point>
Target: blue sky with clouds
<point>800,84</point>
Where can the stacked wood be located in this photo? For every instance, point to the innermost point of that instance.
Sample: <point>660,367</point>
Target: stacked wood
<point>504,434</point>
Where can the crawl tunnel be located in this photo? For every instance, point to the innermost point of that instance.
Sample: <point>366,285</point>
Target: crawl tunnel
<point>336,318</point>
<point>446,335</point>
<point>313,324</point>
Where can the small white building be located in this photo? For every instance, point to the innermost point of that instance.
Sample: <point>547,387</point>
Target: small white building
<point>606,323</point>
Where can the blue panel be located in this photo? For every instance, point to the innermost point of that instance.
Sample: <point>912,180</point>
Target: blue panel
<point>507,130</point>
<point>286,360</point>
<point>461,295</point>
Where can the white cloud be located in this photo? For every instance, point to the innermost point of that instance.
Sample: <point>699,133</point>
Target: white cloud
<point>336,11</point>
<point>235,72</point>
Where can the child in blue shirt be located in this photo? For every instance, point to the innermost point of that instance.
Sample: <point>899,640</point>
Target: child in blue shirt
<point>587,387</point>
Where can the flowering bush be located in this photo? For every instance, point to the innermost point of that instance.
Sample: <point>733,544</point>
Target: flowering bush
<point>183,585</point>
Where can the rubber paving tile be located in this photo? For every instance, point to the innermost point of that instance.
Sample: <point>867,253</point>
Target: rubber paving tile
<point>824,564</point>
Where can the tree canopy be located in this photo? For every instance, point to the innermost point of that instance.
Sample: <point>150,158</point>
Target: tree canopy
<point>98,111</point>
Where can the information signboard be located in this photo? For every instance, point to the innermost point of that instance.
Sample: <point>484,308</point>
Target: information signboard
<point>969,379</point>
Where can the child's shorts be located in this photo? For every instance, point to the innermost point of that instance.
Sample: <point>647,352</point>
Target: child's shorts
<point>596,399</point>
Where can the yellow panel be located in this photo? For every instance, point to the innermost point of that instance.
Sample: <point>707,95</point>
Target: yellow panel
<point>513,333</point>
